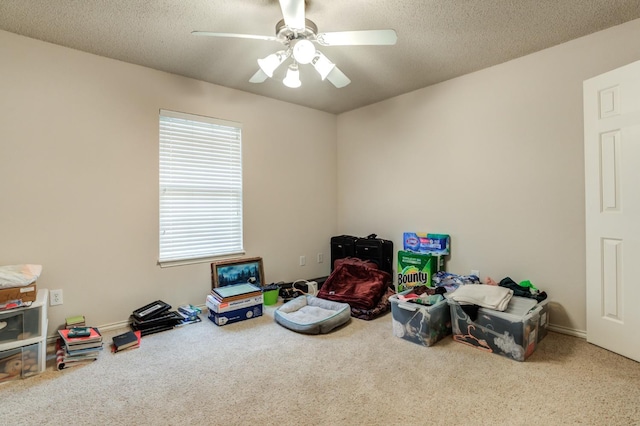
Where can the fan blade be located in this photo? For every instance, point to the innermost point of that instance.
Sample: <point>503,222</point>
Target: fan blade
<point>254,37</point>
<point>337,78</point>
<point>358,38</point>
<point>258,77</point>
<point>293,13</point>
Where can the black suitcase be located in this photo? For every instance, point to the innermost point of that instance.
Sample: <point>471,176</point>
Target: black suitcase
<point>377,250</point>
<point>342,246</point>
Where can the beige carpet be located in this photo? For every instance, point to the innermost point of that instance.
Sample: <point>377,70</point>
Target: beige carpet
<point>257,372</point>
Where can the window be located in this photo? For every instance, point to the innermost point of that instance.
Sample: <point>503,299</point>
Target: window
<point>200,188</point>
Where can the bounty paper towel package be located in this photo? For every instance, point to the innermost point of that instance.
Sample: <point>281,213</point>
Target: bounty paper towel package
<point>415,269</point>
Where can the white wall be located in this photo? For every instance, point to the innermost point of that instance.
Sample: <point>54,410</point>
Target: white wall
<point>79,179</point>
<point>495,159</point>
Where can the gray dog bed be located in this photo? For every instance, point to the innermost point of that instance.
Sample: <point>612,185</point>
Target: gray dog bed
<point>312,315</point>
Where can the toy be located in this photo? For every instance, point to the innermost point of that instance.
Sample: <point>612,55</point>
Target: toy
<point>10,367</point>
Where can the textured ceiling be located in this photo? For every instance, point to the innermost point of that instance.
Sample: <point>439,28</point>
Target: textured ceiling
<point>437,39</point>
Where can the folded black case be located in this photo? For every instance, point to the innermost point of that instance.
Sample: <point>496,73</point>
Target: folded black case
<point>171,317</point>
<point>151,310</point>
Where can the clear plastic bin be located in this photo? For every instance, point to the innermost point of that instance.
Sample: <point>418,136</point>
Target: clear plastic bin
<point>420,324</point>
<point>514,333</point>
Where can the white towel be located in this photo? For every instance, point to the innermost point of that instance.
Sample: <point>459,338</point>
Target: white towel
<point>488,296</point>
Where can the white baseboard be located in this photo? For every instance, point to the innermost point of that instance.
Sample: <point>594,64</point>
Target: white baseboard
<point>569,331</point>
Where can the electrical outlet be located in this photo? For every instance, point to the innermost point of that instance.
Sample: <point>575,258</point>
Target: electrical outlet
<point>475,272</point>
<point>56,297</point>
<point>303,260</point>
<point>320,258</point>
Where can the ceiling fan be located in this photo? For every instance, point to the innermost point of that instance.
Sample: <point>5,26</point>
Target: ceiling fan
<point>299,37</point>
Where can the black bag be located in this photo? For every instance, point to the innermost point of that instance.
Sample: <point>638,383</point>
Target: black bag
<point>342,246</point>
<point>377,250</point>
<point>371,248</point>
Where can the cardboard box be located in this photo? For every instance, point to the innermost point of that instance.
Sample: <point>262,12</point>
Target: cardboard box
<point>514,333</point>
<point>423,242</point>
<point>26,293</point>
<point>420,324</point>
<point>222,307</point>
<point>241,314</point>
<point>415,269</point>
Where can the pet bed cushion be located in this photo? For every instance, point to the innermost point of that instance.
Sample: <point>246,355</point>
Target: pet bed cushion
<point>312,315</point>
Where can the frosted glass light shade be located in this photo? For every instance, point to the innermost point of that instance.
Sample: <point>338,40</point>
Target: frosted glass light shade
<point>304,51</point>
<point>322,65</point>
<point>269,64</point>
<point>293,77</point>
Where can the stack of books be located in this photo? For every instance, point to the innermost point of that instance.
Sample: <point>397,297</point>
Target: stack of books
<point>154,317</point>
<point>77,346</point>
<point>189,314</point>
<point>77,321</point>
<point>126,340</point>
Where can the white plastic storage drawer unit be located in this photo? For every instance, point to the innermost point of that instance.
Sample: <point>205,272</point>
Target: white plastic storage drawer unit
<point>22,362</point>
<point>23,339</point>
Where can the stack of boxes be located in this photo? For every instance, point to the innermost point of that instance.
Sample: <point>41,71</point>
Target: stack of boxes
<point>234,303</point>
<point>423,255</point>
<point>420,321</point>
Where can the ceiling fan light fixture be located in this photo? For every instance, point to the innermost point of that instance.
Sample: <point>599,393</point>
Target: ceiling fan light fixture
<point>322,65</point>
<point>269,64</point>
<point>299,36</point>
<point>304,51</point>
<point>293,77</point>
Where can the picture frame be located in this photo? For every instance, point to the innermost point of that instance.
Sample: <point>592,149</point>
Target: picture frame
<point>237,271</point>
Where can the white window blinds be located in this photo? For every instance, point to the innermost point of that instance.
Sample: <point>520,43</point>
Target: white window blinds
<point>200,187</point>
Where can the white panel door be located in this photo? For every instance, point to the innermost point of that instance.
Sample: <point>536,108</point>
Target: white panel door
<point>612,202</point>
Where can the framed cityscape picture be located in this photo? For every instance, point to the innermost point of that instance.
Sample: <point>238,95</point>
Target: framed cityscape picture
<point>237,271</point>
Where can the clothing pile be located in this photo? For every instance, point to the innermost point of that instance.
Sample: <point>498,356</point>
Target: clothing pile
<point>360,284</point>
<point>523,289</point>
<point>452,281</point>
<point>491,294</point>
